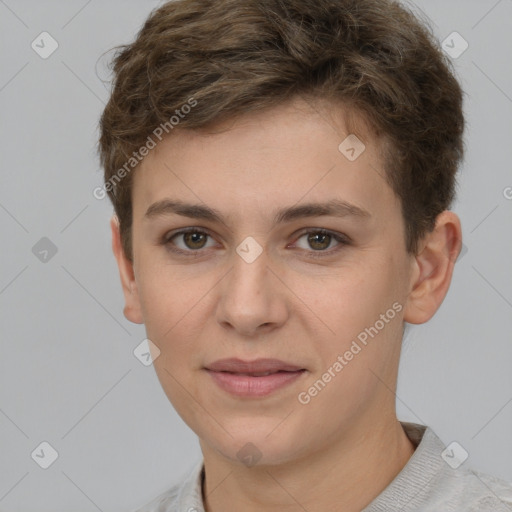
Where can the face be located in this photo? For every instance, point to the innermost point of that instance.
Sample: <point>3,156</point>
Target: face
<point>262,244</point>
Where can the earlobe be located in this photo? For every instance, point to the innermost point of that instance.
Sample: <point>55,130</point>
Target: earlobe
<point>433,268</point>
<point>132,309</point>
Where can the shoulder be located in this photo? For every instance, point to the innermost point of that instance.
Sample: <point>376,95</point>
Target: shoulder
<point>164,502</point>
<point>429,483</point>
<point>185,496</point>
<point>462,488</point>
<point>480,492</point>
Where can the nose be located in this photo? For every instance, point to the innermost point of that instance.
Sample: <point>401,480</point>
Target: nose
<point>252,299</point>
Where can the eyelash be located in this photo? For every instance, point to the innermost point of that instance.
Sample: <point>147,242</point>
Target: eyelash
<point>342,240</point>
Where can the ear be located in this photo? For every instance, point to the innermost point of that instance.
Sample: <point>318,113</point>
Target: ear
<point>433,268</point>
<point>132,309</point>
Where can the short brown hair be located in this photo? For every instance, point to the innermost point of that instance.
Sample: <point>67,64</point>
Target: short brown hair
<point>238,56</point>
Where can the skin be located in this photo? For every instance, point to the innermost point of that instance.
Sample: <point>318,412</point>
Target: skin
<point>339,451</point>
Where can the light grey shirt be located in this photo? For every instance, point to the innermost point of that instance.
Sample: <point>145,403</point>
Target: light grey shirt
<point>431,481</point>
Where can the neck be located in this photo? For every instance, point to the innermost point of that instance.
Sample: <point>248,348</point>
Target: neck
<point>348,474</point>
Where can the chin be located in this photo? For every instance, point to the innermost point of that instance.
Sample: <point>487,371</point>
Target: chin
<point>258,442</point>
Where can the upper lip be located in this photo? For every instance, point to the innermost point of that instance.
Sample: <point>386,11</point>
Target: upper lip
<point>234,365</point>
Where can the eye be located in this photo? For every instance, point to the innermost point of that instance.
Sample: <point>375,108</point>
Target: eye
<point>319,240</point>
<point>188,240</point>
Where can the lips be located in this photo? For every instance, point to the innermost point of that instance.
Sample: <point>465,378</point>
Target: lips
<point>260,366</point>
<point>253,378</point>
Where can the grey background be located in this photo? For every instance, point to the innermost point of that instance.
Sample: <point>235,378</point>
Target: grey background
<point>68,374</point>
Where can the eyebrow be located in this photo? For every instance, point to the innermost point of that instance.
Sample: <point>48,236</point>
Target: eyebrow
<point>334,208</point>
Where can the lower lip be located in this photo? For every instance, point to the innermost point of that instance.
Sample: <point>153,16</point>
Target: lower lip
<point>248,386</point>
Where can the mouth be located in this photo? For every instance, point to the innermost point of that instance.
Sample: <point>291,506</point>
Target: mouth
<point>259,374</point>
<point>258,366</point>
<point>258,378</point>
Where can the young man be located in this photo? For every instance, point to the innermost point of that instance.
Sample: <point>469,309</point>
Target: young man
<point>281,173</point>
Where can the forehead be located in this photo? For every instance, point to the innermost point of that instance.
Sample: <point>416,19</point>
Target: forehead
<point>292,153</point>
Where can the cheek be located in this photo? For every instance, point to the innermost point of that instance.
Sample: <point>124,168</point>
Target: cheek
<point>177,310</point>
<point>166,301</point>
<point>173,313</point>
<point>350,304</point>
<point>349,299</point>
